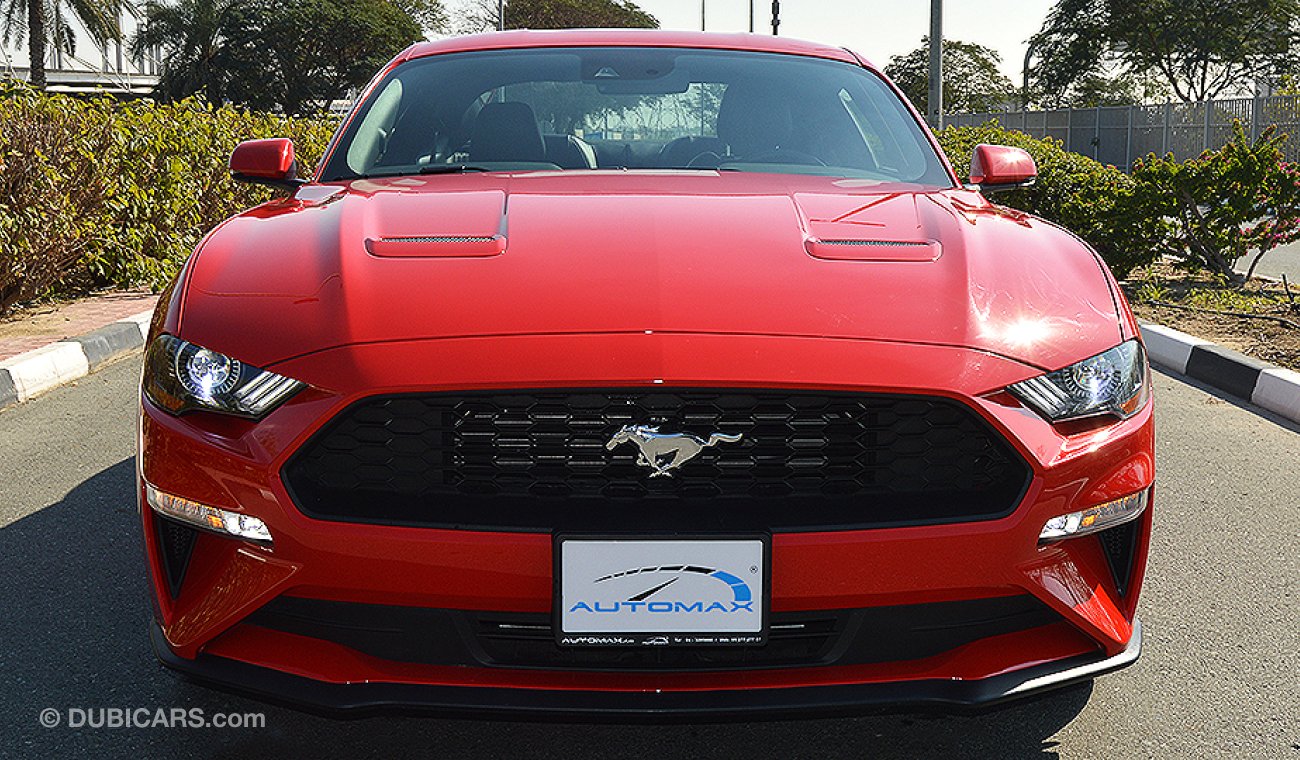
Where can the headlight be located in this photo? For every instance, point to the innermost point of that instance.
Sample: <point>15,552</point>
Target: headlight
<point>1114,382</point>
<point>180,376</point>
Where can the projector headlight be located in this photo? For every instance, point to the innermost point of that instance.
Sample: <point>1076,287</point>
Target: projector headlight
<point>1113,382</point>
<point>180,377</point>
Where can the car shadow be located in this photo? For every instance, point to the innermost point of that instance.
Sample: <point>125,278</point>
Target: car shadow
<point>75,639</point>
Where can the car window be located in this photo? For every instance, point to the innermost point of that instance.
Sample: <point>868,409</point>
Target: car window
<point>635,108</point>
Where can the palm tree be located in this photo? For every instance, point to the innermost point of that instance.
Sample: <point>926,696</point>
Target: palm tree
<point>45,22</point>
<point>190,34</point>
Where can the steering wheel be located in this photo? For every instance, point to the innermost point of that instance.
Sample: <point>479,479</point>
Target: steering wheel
<point>782,156</point>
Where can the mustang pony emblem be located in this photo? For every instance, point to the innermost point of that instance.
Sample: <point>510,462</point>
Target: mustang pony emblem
<point>664,452</point>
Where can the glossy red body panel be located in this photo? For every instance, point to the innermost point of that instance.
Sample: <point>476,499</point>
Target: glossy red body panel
<point>636,280</point>
<point>667,252</point>
<point>1001,165</point>
<point>271,158</point>
<point>530,38</point>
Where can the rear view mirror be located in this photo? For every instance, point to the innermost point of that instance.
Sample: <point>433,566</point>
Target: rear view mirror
<point>996,168</point>
<point>266,162</point>
<point>673,84</point>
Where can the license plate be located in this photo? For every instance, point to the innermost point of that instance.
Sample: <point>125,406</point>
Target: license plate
<point>661,592</point>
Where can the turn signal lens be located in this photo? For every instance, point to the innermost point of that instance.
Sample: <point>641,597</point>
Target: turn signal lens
<point>208,518</point>
<point>1097,518</point>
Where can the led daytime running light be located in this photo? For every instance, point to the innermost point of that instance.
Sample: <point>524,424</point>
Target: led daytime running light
<point>208,518</point>
<point>1095,519</point>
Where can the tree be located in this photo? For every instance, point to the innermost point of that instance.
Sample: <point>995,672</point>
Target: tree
<point>1218,208</point>
<point>972,82</point>
<point>45,23</point>
<point>560,14</point>
<point>1105,89</point>
<point>563,106</point>
<point>190,35</point>
<point>1200,48</point>
<point>290,55</point>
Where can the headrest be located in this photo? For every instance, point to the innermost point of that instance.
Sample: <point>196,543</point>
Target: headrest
<point>506,132</point>
<point>753,119</point>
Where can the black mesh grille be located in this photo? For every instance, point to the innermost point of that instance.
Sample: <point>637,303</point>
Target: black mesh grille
<point>1120,547</point>
<point>176,544</point>
<point>539,461</point>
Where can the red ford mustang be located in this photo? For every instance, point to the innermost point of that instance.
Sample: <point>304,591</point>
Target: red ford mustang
<point>641,373</point>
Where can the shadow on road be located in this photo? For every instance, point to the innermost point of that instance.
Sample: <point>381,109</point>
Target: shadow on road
<point>74,637</point>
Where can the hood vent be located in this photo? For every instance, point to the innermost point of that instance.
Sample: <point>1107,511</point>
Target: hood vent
<point>437,246</point>
<point>874,250</point>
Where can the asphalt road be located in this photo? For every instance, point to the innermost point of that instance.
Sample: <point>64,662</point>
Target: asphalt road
<point>1220,676</point>
<point>1283,260</point>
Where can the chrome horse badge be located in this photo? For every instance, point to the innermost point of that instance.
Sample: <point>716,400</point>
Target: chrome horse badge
<point>664,452</point>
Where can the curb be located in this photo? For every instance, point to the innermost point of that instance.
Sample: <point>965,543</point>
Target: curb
<point>1264,385</point>
<point>39,370</point>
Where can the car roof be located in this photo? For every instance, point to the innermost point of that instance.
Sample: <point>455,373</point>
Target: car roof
<point>529,38</point>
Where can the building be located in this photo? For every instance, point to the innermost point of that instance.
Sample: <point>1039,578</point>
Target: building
<point>90,68</point>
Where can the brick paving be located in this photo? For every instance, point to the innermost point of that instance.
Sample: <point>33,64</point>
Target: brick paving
<point>38,326</point>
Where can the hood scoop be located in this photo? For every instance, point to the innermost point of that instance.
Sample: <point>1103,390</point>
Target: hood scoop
<point>885,227</point>
<point>448,225</point>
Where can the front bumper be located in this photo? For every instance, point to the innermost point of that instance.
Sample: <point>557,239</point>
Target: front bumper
<point>359,699</point>
<point>207,618</point>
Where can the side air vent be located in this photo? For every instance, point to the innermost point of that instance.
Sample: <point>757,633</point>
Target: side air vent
<point>1119,544</point>
<point>175,544</point>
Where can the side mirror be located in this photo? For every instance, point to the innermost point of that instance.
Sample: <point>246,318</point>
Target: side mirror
<point>266,162</point>
<point>995,168</point>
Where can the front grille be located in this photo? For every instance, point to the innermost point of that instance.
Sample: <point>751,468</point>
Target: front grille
<point>539,461</point>
<point>526,640</point>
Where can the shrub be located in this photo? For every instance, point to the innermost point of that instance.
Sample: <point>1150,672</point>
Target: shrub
<point>1099,203</point>
<point>99,192</point>
<point>1218,208</point>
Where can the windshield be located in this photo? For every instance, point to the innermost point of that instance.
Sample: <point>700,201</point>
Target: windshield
<point>634,108</point>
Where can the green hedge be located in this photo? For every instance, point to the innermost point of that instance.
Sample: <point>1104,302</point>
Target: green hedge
<point>97,192</point>
<point>1097,202</point>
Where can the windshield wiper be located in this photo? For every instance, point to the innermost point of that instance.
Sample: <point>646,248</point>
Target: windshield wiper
<point>452,169</point>
<point>434,169</point>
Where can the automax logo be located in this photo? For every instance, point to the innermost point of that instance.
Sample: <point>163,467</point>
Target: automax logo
<point>741,601</point>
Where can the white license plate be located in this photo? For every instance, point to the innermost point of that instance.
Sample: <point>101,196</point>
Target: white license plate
<point>661,592</point>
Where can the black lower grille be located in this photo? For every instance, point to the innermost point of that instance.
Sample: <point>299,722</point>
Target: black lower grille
<point>523,640</point>
<point>545,460</point>
<point>1119,544</point>
<point>175,544</point>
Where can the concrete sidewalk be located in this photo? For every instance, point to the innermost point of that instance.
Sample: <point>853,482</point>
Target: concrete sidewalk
<point>43,325</point>
<point>44,348</point>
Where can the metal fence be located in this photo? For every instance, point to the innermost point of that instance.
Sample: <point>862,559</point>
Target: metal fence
<point>1121,135</point>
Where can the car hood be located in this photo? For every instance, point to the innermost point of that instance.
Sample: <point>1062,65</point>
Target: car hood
<point>603,252</point>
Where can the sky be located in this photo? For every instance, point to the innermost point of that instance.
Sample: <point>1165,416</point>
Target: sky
<point>876,30</point>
